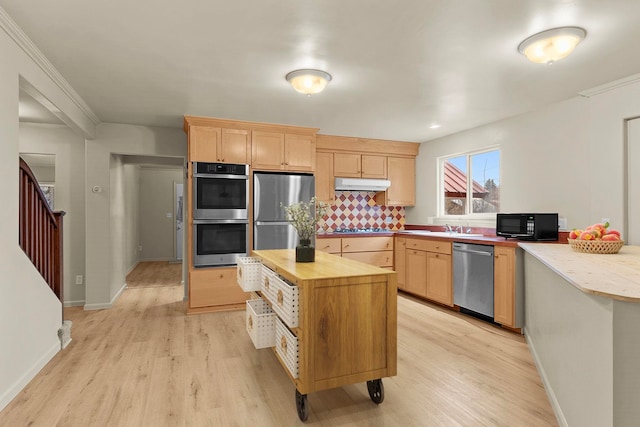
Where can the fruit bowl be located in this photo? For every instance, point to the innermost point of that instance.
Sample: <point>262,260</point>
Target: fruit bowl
<point>596,246</point>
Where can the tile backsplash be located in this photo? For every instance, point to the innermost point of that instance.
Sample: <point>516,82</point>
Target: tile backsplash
<point>356,209</point>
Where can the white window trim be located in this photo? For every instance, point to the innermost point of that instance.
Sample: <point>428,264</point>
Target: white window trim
<point>440,190</point>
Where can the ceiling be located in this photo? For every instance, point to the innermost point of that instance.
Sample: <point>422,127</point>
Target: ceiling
<point>398,66</point>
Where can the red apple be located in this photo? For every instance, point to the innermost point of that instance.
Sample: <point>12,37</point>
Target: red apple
<point>575,233</point>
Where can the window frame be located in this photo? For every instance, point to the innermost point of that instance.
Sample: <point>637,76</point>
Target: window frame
<point>440,203</point>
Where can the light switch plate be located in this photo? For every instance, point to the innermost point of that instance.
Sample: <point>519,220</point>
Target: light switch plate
<point>79,279</point>
<point>562,224</point>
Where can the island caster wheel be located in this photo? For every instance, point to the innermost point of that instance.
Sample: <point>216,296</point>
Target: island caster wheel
<point>302,406</point>
<point>376,391</point>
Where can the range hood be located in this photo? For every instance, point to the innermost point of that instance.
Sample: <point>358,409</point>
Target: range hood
<point>361,184</point>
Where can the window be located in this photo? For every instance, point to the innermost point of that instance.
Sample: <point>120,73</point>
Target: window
<point>470,183</point>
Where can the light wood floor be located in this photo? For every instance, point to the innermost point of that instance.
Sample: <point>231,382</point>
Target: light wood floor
<point>145,363</point>
<point>152,274</point>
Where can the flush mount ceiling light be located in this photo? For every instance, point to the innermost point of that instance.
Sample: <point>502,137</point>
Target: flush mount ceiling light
<point>551,45</point>
<point>308,81</point>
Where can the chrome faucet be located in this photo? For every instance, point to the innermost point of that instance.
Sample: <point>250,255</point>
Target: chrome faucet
<point>459,229</point>
<point>448,228</point>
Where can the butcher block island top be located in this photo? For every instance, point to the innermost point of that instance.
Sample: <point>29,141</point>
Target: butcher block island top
<point>615,276</point>
<point>326,266</point>
<point>347,322</point>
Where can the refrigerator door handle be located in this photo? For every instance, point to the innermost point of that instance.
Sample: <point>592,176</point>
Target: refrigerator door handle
<point>272,223</point>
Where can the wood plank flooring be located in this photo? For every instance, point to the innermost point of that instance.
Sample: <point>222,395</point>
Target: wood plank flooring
<point>145,363</point>
<point>152,274</point>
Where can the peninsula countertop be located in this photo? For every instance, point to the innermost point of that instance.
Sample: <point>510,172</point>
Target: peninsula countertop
<point>615,276</point>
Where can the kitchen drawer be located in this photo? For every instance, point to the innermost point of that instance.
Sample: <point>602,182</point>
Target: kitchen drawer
<point>249,273</point>
<point>367,244</point>
<point>261,326</point>
<point>429,245</point>
<point>265,283</point>
<point>379,258</point>
<point>332,246</point>
<point>214,286</point>
<point>287,348</point>
<point>283,297</point>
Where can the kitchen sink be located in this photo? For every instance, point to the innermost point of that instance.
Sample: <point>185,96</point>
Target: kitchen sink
<point>451,234</point>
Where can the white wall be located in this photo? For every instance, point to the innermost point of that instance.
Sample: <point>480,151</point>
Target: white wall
<point>157,232</point>
<point>566,158</point>
<point>30,314</point>
<point>105,274</point>
<point>68,148</point>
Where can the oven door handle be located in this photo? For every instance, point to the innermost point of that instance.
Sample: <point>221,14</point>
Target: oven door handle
<point>209,176</point>
<point>272,223</point>
<point>220,221</point>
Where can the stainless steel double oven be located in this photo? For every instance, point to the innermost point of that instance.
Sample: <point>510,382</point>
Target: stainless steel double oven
<point>220,213</point>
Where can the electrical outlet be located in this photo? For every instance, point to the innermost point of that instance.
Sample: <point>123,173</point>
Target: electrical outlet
<point>79,279</point>
<point>140,248</point>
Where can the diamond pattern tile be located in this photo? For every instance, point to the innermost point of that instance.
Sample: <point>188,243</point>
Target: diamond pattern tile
<point>359,210</point>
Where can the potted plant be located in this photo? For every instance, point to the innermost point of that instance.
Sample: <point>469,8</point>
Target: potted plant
<point>304,217</point>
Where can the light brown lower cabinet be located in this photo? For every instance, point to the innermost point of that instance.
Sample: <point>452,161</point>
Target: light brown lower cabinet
<point>373,250</point>
<point>416,272</point>
<point>428,269</point>
<point>439,278</point>
<point>508,286</point>
<point>215,289</point>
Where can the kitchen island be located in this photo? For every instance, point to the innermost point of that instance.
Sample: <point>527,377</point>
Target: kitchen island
<point>582,314</point>
<point>347,323</point>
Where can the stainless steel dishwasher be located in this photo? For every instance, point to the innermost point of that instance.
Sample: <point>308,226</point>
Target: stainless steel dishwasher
<point>473,278</point>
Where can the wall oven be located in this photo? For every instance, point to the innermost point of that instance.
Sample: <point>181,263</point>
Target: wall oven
<point>220,213</point>
<point>219,242</point>
<point>220,191</point>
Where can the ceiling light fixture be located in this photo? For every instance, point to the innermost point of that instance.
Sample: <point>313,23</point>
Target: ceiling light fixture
<point>434,126</point>
<point>551,45</point>
<point>308,81</point>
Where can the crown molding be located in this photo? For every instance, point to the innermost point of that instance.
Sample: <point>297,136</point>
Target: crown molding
<point>610,86</point>
<point>24,42</point>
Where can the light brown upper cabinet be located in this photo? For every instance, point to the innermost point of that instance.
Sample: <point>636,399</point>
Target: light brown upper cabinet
<point>280,151</point>
<point>214,144</point>
<point>324,177</point>
<point>349,165</point>
<point>401,171</point>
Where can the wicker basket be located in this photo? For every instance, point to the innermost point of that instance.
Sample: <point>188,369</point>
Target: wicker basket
<point>596,246</point>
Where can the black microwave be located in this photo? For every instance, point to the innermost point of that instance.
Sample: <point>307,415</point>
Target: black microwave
<point>523,226</point>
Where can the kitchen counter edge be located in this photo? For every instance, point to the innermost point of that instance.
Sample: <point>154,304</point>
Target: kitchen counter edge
<point>615,276</point>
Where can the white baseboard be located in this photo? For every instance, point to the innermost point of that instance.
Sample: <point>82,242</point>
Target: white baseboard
<point>102,306</point>
<point>78,303</point>
<point>21,383</point>
<point>133,267</point>
<point>562,421</point>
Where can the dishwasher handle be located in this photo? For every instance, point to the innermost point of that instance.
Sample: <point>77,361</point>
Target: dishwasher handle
<point>469,251</point>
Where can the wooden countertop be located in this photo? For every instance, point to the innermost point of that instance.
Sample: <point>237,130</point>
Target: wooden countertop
<point>326,266</point>
<point>615,276</point>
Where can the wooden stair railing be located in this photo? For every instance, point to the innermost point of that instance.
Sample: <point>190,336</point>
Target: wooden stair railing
<point>40,231</point>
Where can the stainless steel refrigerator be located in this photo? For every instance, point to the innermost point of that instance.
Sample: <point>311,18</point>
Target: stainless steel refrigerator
<point>270,227</point>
